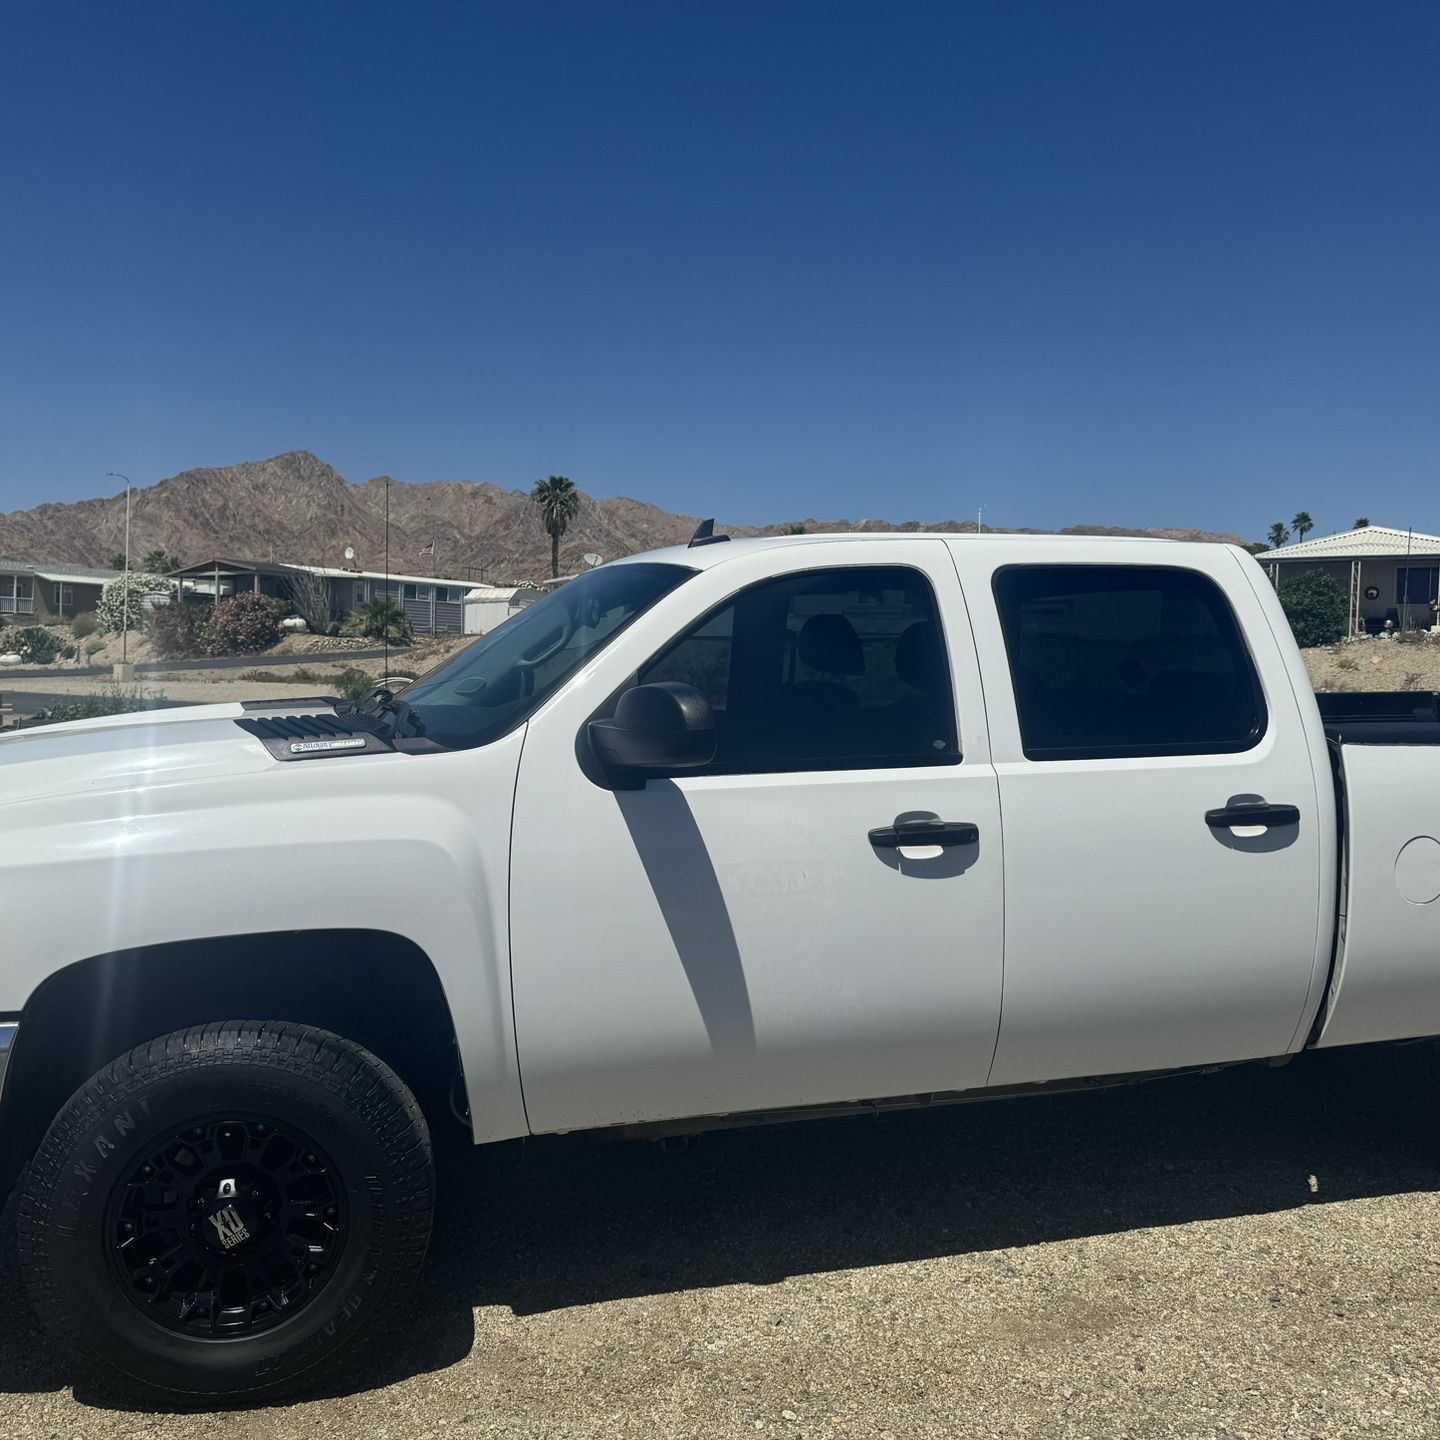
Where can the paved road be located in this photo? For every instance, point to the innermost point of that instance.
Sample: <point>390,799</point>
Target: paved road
<point>1251,1254</point>
<point>216,662</point>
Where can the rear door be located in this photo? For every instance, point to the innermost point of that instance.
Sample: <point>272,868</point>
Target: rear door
<point>1128,710</point>
<point>737,939</point>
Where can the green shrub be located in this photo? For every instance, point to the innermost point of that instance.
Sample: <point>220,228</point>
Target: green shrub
<point>110,612</point>
<point>35,645</point>
<point>181,632</point>
<point>379,619</point>
<point>1317,608</point>
<point>84,625</point>
<point>353,683</point>
<point>111,700</point>
<point>246,624</point>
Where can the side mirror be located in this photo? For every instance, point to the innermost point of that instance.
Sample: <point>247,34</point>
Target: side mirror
<point>657,728</point>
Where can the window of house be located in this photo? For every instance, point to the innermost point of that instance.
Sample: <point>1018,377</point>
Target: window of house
<point>416,592</point>
<point>449,594</point>
<point>1416,584</point>
<point>826,670</point>
<point>1123,660</point>
<point>64,597</point>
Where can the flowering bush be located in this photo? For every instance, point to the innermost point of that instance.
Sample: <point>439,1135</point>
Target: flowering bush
<point>247,623</point>
<point>110,612</point>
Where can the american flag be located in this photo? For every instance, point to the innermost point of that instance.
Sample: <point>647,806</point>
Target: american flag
<point>428,550</point>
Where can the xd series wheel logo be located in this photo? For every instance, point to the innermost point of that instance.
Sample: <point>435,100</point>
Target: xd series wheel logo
<point>230,1229</point>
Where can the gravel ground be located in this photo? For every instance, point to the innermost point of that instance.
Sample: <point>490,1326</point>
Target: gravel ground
<point>1249,1254</point>
<point>1411,664</point>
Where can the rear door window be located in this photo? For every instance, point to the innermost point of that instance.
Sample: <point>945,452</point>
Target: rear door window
<point>1126,660</point>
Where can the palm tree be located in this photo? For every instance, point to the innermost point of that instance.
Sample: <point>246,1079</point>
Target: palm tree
<point>1303,524</point>
<point>380,618</point>
<point>1278,535</point>
<point>559,502</point>
<point>1361,523</point>
<point>159,562</point>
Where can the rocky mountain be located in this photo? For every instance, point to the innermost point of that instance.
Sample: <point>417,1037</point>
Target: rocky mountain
<point>295,507</point>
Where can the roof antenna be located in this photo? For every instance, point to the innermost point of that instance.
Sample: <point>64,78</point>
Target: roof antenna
<point>705,535</point>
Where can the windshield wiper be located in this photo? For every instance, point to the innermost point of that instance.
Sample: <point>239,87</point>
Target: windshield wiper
<point>395,719</point>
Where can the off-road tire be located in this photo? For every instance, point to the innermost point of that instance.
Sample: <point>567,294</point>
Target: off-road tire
<point>354,1107</point>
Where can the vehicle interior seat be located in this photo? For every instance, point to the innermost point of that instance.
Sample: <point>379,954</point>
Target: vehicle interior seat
<point>819,713</point>
<point>915,722</point>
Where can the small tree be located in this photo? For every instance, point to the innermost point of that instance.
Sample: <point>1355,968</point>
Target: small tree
<point>1303,524</point>
<point>1278,535</point>
<point>1317,608</point>
<point>247,623</point>
<point>1361,523</point>
<point>559,502</point>
<point>117,561</point>
<point>379,619</point>
<point>310,595</point>
<point>181,632</point>
<point>111,610</point>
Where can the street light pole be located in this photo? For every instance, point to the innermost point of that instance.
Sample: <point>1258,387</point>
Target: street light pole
<point>125,574</point>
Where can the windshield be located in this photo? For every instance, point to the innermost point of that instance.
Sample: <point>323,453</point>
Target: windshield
<point>487,690</point>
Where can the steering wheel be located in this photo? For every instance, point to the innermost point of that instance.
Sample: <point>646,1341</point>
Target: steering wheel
<point>535,659</point>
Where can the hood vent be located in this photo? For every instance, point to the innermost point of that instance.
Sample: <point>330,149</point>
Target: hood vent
<point>317,736</point>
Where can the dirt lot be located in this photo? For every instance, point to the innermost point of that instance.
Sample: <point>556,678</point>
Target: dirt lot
<point>1243,1255</point>
<point>1376,665</point>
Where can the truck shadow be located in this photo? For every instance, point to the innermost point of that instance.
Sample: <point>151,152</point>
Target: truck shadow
<point>544,1225</point>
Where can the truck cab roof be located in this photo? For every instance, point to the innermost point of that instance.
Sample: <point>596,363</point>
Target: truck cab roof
<point>714,552</point>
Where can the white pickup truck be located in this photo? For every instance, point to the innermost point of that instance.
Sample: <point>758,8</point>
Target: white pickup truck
<point>726,833</point>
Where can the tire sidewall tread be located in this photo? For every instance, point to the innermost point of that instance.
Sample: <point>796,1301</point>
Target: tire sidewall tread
<point>356,1102</point>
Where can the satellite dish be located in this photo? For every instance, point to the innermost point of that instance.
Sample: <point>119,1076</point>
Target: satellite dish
<point>592,560</point>
<point>349,552</point>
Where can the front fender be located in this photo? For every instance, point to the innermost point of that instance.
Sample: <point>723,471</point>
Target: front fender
<point>413,845</point>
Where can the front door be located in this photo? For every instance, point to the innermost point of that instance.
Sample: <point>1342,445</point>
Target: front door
<point>736,939</point>
<point>1146,928</point>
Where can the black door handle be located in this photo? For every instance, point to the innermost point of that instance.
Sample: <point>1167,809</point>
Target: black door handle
<point>924,832</point>
<point>1257,812</point>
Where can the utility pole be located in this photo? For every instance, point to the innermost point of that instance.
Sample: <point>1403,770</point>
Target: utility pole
<point>980,521</point>
<point>125,577</point>
<point>386,621</point>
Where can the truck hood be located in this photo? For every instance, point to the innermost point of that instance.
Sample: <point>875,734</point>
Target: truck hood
<point>126,752</point>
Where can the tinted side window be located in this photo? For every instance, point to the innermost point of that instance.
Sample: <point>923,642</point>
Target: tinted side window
<point>1120,660</point>
<point>831,669</point>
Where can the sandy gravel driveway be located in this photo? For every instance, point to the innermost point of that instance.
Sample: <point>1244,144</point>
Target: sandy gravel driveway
<point>1250,1254</point>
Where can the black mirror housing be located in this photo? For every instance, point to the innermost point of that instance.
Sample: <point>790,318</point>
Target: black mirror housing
<point>657,729</point>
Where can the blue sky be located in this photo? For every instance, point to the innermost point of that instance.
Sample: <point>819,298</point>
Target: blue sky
<point>1140,264</point>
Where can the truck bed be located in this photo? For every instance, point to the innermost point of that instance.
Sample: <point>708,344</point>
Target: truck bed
<point>1382,717</point>
<point>1384,983</point>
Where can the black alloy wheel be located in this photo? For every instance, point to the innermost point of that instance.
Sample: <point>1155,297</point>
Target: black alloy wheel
<point>227,1227</point>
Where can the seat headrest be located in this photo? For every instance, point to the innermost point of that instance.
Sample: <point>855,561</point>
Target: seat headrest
<point>917,656</point>
<point>829,644</point>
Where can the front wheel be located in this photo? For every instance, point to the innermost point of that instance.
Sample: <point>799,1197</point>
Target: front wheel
<point>227,1207</point>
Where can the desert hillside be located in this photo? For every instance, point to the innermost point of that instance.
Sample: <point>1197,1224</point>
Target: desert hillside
<point>296,507</point>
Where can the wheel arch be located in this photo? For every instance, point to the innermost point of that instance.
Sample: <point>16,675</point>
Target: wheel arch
<point>374,987</point>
